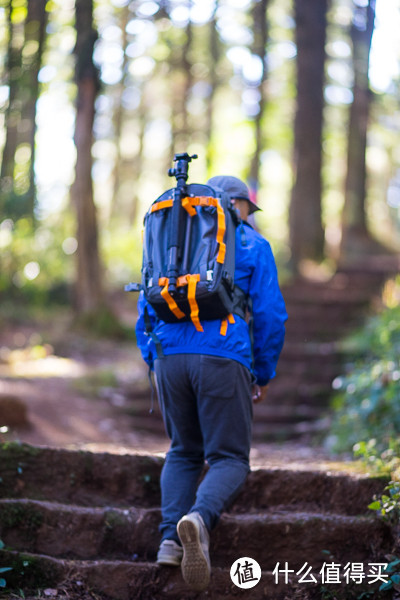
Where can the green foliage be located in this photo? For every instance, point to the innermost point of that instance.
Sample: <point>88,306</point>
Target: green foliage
<point>379,338</point>
<point>92,385</point>
<point>102,323</point>
<point>35,264</point>
<point>366,412</point>
<point>388,505</point>
<point>366,406</point>
<point>3,582</point>
<point>122,253</point>
<point>383,462</point>
<point>393,570</point>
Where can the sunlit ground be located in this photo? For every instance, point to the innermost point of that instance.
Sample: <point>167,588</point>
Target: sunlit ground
<point>37,362</point>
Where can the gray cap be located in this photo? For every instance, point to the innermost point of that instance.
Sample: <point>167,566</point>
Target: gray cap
<point>235,188</point>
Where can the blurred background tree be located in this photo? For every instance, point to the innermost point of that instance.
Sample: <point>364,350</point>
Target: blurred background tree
<point>356,238</point>
<point>298,98</point>
<point>88,288</point>
<point>306,229</point>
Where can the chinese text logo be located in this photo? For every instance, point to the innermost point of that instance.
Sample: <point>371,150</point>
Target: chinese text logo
<point>245,572</point>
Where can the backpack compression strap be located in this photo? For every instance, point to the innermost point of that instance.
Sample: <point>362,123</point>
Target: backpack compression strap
<point>190,202</point>
<point>224,324</point>
<point>191,282</point>
<point>160,205</point>
<point>174,308</point>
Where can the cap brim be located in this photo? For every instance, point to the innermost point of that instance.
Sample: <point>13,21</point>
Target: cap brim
<point>253,207</point>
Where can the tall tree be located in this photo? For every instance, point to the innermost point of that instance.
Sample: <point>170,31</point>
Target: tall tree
<point>214,56</point>
<point>119,114</point>
<point>356,239</point>
<point>13,112</point>
<point>89,289</point>
<point>183,81</point>
<point>260,32</point>
<point>25,48</point>
<point>305,222</point>
<point>35,27</point>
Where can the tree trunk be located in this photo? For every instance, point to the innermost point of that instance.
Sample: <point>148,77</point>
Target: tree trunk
<point>356,240</point>
<point>305,222</point>
<point>35,28</point>
<point>119,113</point>
<point>260,31</point>
<point>89,292</point>
<point>181,129</point>
<point>213,78</point>
<point>12,116</point>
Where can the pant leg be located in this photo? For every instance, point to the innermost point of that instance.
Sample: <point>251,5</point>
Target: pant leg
<point>185,459</point>
<point>206,403</point>
<point>225,410</point>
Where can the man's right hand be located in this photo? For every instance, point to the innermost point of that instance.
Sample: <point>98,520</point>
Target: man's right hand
<point>259,393</point>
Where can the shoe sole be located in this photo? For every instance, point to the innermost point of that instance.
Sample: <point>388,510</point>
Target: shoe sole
<point>195,567</point>
<point>168,562</point>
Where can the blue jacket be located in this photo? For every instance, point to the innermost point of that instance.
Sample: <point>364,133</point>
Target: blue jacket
<point>256,275</point>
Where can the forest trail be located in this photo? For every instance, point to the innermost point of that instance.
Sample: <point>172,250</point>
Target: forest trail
<point>81,502</point>
<point>84,525</point>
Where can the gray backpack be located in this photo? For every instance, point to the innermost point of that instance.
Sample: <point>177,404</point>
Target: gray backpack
<point>189,252</point>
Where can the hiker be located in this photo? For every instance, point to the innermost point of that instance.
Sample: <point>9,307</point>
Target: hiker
<point>206,384</point>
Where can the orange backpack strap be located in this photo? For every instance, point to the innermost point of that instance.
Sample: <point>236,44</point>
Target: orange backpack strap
<point>160,205</point>
<point>194,307</point>
<point>224,324</point>
<point>164,281</point>
<point>189,203</point>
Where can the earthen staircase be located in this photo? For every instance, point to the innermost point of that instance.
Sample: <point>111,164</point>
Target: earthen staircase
<point>86,523</point>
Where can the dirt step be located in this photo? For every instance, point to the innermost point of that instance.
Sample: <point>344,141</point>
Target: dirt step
<point>346,288</point>
<point>308,295</point>
<point>305,431</point>
<point>125,580</point>
<point>325,367</point>
<point>279,425</point>
<point>103,479</point>
<point>309,330</point>
<point>288,413</point>
<point>316,370</point>
<point>292,410</point>
<point>67,531</point>
<point>308,490</point>
<point>263,430</point>
<point>297,391</point>
<point>337,312</point>
<point>298,350</point>
<point>86,478</point>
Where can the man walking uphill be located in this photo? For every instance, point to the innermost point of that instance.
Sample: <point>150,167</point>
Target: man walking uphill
<point>206,382</point>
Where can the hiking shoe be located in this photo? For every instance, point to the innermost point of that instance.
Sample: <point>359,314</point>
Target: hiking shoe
<point>169,553</point>
<point>196,567</point>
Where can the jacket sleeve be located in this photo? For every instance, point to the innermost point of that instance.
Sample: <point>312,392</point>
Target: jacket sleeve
<point>143,339</point>
<point>269,314</point>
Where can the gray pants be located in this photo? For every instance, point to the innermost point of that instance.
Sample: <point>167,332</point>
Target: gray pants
<point>207,409</point>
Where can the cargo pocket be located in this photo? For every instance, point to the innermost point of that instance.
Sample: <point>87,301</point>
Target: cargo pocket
<point>218,376</point>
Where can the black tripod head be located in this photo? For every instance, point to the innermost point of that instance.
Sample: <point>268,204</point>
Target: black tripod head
<point>180,171</point>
